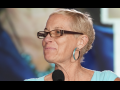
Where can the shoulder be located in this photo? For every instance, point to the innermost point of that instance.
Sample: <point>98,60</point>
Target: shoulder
<point>35,79</point>
<point>109,75</point>
<point>106,75</point>
<point>48,77</point>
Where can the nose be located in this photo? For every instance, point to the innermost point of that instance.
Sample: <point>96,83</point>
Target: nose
<point>48,38</point>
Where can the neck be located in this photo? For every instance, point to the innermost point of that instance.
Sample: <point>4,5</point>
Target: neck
<point>72,71</point>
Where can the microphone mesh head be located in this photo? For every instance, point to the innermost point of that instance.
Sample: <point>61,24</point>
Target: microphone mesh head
<point>58,75</point>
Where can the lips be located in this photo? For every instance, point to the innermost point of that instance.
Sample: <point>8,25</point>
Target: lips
<point>49,48</point>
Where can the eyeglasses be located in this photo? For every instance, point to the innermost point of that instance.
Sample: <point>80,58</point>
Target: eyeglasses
<point>55,33</point>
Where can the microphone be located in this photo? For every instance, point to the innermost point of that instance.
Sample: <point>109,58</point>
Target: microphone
<point>58,75</point>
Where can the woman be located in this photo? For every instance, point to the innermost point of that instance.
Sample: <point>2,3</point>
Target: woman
<point>68,35</point>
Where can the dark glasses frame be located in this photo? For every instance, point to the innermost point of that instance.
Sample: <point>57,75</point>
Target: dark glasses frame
<point>62,32</point>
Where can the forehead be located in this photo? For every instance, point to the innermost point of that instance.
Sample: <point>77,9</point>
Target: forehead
<point>59,21</point>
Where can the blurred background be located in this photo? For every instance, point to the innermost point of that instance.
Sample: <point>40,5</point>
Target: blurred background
<point>21,53</point>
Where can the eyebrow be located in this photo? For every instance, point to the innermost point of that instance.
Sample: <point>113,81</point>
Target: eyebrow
<point>54,28</point>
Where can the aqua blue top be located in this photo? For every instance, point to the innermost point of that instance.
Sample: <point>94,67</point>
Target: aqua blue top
<point>97,76</point>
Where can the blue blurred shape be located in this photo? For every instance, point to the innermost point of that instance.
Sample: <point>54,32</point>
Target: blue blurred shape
<point>12,66</point>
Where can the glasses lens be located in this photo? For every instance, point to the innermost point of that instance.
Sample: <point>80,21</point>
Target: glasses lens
<point>55,33</point>
<point>41,34</point>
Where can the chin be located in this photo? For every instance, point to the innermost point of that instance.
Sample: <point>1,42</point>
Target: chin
<point>49,58</point>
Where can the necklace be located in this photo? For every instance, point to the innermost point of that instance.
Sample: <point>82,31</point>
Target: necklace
<point>24,55</point>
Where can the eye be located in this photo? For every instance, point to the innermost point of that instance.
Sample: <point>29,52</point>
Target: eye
<point>58,32</point>
<point>46,33</point>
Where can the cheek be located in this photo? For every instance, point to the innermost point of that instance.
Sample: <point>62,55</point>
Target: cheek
<point>66,47</point>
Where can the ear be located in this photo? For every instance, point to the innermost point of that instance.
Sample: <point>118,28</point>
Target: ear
<point>82,41</point>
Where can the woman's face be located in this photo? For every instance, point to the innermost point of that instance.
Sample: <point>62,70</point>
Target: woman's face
<point>60,49</point>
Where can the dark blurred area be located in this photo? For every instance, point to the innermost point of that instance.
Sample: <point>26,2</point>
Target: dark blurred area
<point>2,9</point>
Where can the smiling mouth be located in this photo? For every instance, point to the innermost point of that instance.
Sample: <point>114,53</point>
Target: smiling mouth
<point>49,48</point>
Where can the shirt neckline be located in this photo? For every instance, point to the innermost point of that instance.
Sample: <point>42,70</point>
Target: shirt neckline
<point>91,78</point>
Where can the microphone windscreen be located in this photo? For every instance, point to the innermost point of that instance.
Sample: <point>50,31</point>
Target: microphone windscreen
<point>58,75</point>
